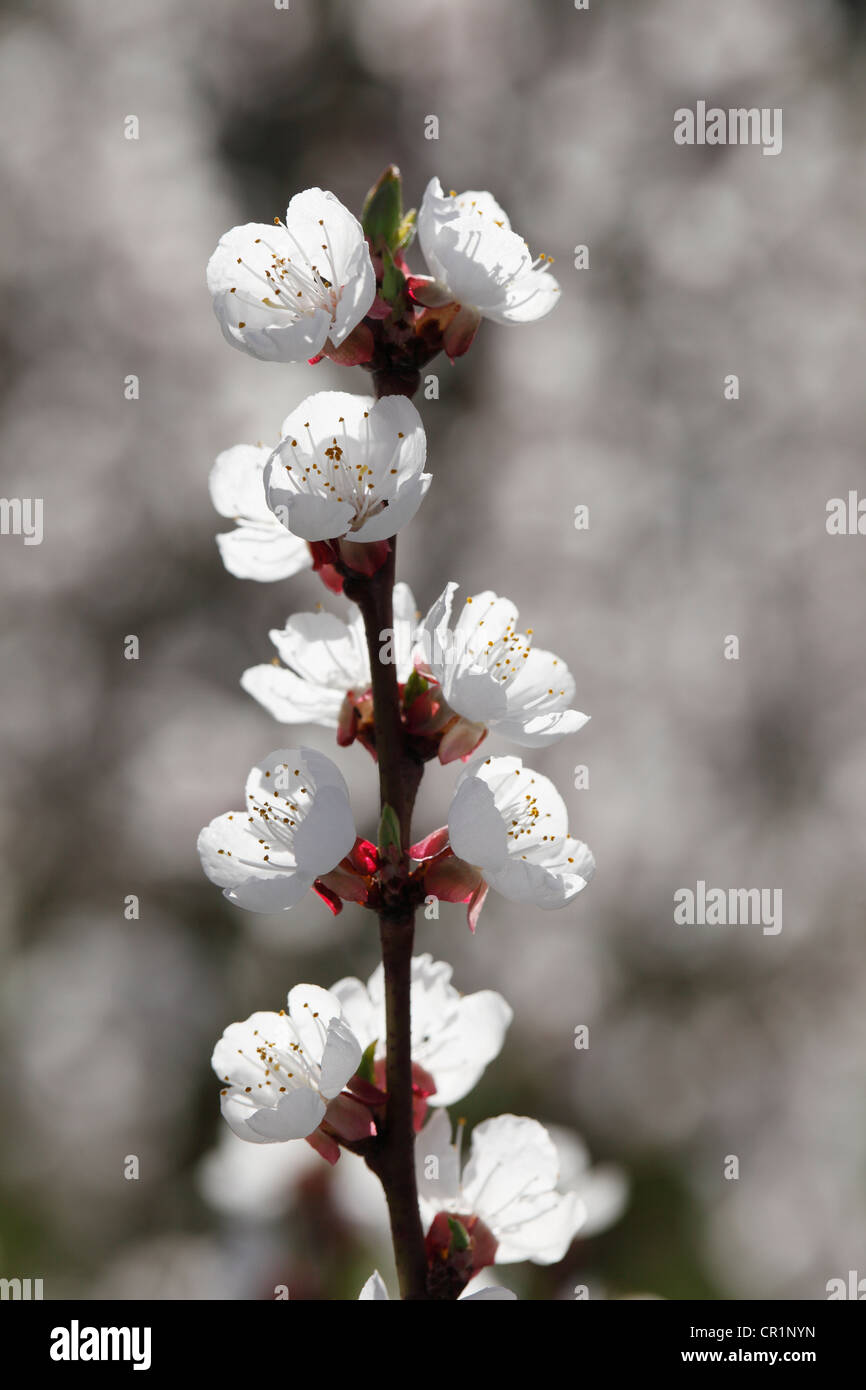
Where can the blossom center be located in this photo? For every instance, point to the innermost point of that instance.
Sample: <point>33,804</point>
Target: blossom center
<point>293,282</point>
<point>524,819</point>
<point>502,656</point>
<point>272,821</point>
<point>331,468</point>
<point>283,1067</point>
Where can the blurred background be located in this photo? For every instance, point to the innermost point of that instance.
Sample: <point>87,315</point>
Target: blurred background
<point>707,519</point>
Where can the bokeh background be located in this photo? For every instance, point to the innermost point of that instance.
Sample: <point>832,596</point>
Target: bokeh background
<point>707,518</point>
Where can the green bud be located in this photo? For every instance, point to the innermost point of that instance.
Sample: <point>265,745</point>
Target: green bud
<point>416,685</point>
<point>393,279</point>
<point>406,231</point>
<point>365,1067</point>
<point>382,216</point>
<point>389,830</point>
<point>459,1234</point>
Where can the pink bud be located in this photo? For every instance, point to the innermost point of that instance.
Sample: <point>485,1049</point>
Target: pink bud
<point>427,291</point>
<point>348,1118</point>
<point>364,558</point>
<point>366,1092</point>
<point>460,332</point>
<point>365,856</point>
<point>348,720</point>
<point>476,902</point>
<point>461,740</point>
<point>379,309</point>
<point>357,348</point>
<point>325,556</point>
<point>350,880</point>
<point>427,712</point>
<point>328,896</point>
<point>434,843</point>
<point>455,881</point>
<point>452,879</point>
<point>450,1267</point>
<point>423,1086</point>
<point>324,1145</point>
<point>331,579</point>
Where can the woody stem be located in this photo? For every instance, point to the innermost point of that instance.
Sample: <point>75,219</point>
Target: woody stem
<point>393,1156</point>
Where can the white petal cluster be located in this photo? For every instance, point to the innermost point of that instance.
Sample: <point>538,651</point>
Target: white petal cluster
<point>491,674</point>
<point>324,658</point>
<point>454,1036</point>
<point>345,477</point>
<point>280,1070</point>
<point>296,825</point>
<point>283,292</point>
<point>511,824</point>
<point>259,547</point>
<point>510,1182</point>
<point>479,261</point>
<point>348,466</point>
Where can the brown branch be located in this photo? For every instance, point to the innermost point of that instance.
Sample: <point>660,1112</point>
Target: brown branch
<point>392,1158</point>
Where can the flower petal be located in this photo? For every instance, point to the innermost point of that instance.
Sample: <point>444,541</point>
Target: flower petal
<point>374,1290</point>
<point>479,261</point>
<point>437,1164</point>
<point>259,548</point>
<point>341,1058</point>
<point>290,699</point>
<point>475,827</point>
<point>281,292</point>
<point>232,859</point>
<point>295,1116</point>
<point>348,466</point>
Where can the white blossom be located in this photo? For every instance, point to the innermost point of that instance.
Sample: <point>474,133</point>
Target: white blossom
<point>348,466</point>
<point>490,673</point>
<point>511,824</point>
<point>454,1036</point>
<point>259,547</point>
<point>509,1183</point>
<point>602,1188</point>
<point>325,658</point>
<point>478,261</point>
<point>280,1070</point>
<point>296,825</point>
<point>283,293</point>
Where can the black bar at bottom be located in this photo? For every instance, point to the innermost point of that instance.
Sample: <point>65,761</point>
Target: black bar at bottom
<point>78,1339</point>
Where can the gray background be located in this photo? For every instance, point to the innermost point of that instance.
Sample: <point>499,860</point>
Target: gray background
<point>707,519</point>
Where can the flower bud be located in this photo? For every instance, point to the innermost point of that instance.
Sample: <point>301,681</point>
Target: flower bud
<point>382,215</point>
